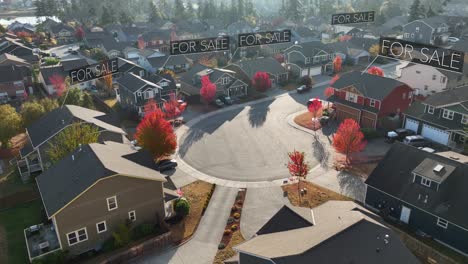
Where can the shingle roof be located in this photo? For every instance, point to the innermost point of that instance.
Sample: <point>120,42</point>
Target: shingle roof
<point>13,73</point>
<point>287,218</point>
<point>56,120</point>
<point>74,64</point>
<point>49,71</point>
<point>14,60</point>
<point>75,173</point>
<point>449,97</point>
<point>134,83</point>
<point>369,85</point>
<point>267,64</point>
<point>447,202</point>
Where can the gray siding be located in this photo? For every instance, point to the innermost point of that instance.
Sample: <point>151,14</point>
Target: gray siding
<point>424,35</point>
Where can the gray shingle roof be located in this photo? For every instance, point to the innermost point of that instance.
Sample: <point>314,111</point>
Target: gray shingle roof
<point>267,64</point>
<point>75,173</point>
<point>134,83</point>
<point>13,73</point>
<point>449,97</point>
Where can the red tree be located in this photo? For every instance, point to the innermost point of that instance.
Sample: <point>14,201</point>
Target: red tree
<point>141,42</point>
<point>337,62</point>
<point>173,107</point>
<point>59,83</point>
<point>334,79</point>
<point>375,71</point>
<point>315,107</point>
<point>279,58</point>
<point>329,91</point>
<point>156,135</point>
<point>345,38</point>
<point>298,167</point>
<point>79,33</point>
<point>349,139</point>
<point>261,81</point>
<point>151,106</point>
<point>208,90</point>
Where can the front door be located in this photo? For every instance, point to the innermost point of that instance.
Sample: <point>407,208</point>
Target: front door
<point>405,214</point>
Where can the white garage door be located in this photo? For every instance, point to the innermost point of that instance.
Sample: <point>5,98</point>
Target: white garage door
<point>435,134</point>
<point>315,71</point>
<point>412,124</point>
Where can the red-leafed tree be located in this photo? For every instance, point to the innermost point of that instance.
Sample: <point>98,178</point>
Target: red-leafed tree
<point>375,71</point>
<point>173,107</point>
<point>279,58</point>
<point>79,33</point>
<point>208,90</point>
<point>337,63</point>
<point>151,106</point>
<point>58,82</point>
<point>156,135</point>
<point>315,108</point>
<point>141,42</point>
<point>345,38</point>
<point>334,79</point>
<point>349,139</point>
<point>298,167</point>
<point>329,91</point>
<point>261,81</point>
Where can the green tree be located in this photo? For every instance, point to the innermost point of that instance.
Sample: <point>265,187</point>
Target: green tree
<point>2,29</point>
<point>87,100</point>
<point>125,18</point>
<point>415,12</point>
<point>49,104</point>
<point>182,207</point>
<point>200,6</point>
<point>10,124</point>
<point>70,138</point>
<point>154,15</point>
<point>179,10</point>
<point>295,11</point>
<point>240,8</point>
<point>40,8</point>
<point>106,17</point>
<point>430,12</point>
<point>31,111</point>
<point>121,236</point>
<point>233,15</point>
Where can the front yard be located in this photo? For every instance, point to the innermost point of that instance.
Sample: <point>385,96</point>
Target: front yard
<point>12,223</point>
<point>314,196</point>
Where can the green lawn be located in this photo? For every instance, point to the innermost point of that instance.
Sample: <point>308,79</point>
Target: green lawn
<point>14,221</point>
<point>10,183</point>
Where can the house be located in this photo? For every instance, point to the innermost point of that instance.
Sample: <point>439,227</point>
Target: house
<point>246,69</point>
<point>225,80</point>
<point>134,91</point>
<point>7,59</point>
<point>13,83</point>
<point>92,191</point>
<point>369,99</point>
<point>325,234</point>
<point>62,69</point>
<point>158,39</point>
<point>309,59</point>
<point>432,30</point>
<point>63,33</point>
<point>305,34</point>
<point>348,50</point>
<point>425,192</point>
<point>239,27</point>
<point>441,117</point>
<point>33,156</point>
<point>96,37</point>
<point>175,63</point>
<point>427,80</point>
<point>127,66</point>
<point>461,79</point>
<point>17,27</point>
<point>15,47</point>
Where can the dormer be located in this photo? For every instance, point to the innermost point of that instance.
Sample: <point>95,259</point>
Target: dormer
<point>431,173</point>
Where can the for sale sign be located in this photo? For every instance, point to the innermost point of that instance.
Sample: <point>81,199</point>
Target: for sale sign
<point>94,71</point>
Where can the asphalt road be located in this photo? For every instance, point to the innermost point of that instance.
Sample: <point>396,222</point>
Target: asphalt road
<point>250,143</point>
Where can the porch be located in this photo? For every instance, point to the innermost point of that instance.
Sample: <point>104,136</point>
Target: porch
<point>29,164</point>
<point>41,240</point>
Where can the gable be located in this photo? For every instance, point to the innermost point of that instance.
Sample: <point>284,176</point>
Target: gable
<point>352,89</point>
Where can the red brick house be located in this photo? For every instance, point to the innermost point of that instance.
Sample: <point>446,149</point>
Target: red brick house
<point>369,98</point>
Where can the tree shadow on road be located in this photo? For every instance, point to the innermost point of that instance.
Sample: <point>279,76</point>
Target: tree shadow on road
<point>320,152</point>
<point>258,113</point>
<point>352,186</point>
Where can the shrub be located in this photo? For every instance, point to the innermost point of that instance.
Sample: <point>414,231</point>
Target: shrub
<point>325,113</point>
<point>236,215</point>
<point>57,257</point>
<point>221,246</point>
<point>369,133</point>
<point>234,227</point>
<point>51,61</point>
<point>108,245</point>
<point>234,209</point>
<point>227,232</point>
<point>239,202</point>
<point>143,230</point>
<point>182,207</point>
<point>121,236</point>
<point>230,220</point>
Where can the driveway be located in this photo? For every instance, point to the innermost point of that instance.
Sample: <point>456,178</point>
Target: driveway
<point>202,248</point>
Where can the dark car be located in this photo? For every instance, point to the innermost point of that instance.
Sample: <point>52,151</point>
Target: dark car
<point>166,164</point>
<point>303,88</point>
<point>417,141</point>
<point>398,134</point>
<point>226,100</point>
<point>218,103</point>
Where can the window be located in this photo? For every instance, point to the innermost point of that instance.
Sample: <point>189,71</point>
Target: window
<point>447,114</point>
<point>417,29</point>
<point>148,94</point>
<point>307,60</point>
<point>442,222</point>
<point>225,80</point>
<point>139,93</point>
<point>430,109</point>
<point>132,216</point>
<point>443,79</point>
<point>112,203</point>
<point>418,72</point>
<point>101,227</point>
<point>464,119</point>
<point>372,102</point>
<point>77,236</point>
<point>404,96</point>
<point>142,73</point>
<point>426,87</point>
<point>351,97</point>
<point>426,182</point>
<point>434,77</point>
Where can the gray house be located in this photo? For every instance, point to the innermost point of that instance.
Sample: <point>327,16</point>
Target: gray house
<point>248,68</point>
<point>309,59</point>
<point>433,30</point>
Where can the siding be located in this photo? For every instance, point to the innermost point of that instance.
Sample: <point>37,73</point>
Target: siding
<point>143,196</point>
<point>249,259</point>
<point>394,101</point>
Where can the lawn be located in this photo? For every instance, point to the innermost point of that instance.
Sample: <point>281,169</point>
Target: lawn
<point>315,195</point>
<point>12,223</point>
<point>10,183</point>
<point>196,193</point>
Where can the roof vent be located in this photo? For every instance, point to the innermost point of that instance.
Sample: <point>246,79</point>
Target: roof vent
<point>438,168</point>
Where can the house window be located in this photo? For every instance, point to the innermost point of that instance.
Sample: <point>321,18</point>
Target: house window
<point>112,203</point>
<point>307,60</point>
<point>417,29</point>
<point>418,72</point>
<point>351,97</point>
<point>101,227</point>
<point>426,182</point>
<point>139,93</point>
<point>142,73</point>
<point>372,102</point>
<point>77,236</point>
<point>464,119</point>
<point>426,87</point>
<point>447,114</point>
<point>132,216</point>
<point>430,109</point>
<point>225,80</point>
<point>434,77</point>
<point>442,222</point>
<point>443,79</point>
<point>148,94</point>
<point>404,96</point>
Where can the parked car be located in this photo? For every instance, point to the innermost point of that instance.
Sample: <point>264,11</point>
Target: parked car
<point>303,88</point>
<point>53,54</point>
<point>417,141</point>
<point>430,150</point>
<point>398,134</point>
<point>218,103</point>
<point>226,100</point>
<point>453,40</point>
<point>166,164</point>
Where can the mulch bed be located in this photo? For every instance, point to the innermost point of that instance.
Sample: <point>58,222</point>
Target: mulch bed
<point>314,196</point>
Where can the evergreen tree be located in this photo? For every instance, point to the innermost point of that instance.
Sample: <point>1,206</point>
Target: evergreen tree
<point>294,11</point>
<point>179,10</point>
<point>190,12</point>
<point>430,12</point>
<point>240,8</point>
<point>50,8</point>
<point>124,18</point>
<point>40,7</point>
<point>106,17</point>
<point>250,8</point>
<point>233,17</point>
<point>415,11</point>
<point>200,4</point>
<point>153,15</point>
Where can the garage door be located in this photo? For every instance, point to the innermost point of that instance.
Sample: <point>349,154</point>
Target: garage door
<point>435,134</point>
<point>412,124</point>
<point>315,71</point>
